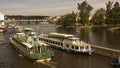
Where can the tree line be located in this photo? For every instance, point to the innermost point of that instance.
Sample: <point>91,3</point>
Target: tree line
<point>108,16</point>
<point>18,17</point>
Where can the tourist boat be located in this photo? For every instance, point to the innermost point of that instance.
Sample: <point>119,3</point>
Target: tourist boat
<point>66,42</point>
<point>18,28</point>
<point>116,62</point>
<point>29,46</point>
<point>3,27</point>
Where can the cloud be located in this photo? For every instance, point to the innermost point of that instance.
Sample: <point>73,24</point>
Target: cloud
<point>45,7</point>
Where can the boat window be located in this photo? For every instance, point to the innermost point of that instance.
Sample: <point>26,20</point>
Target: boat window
<point>87,47</point>
<point>58,43</point>
<point>55,42</point>
<point>61,44</point>
<point>67,45</point>
<point>76,47</point>
<point>72,47</point>
<point>82,47</point>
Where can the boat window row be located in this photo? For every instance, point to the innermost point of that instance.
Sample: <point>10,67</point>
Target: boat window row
<point>67,45</point>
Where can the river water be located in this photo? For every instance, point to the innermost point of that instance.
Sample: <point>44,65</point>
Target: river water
<point>9,58</point>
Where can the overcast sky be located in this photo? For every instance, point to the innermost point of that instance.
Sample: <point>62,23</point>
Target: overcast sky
<point>46,7</point>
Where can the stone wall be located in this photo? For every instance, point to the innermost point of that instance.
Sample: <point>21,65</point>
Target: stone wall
<point>106,51</point>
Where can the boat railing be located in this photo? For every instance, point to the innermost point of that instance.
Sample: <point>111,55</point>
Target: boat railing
<point>53,39</point>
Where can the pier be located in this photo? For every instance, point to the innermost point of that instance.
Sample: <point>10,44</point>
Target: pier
<point>104,51</point>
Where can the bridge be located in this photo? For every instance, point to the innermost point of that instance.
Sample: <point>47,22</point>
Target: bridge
<point>25,20</point>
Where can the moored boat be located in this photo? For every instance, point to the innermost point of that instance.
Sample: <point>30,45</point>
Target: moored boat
<point>29,46</point>
<point>66,42</point>
<point>18,28</point>
<point>3,27</point>
<point>116,62</point>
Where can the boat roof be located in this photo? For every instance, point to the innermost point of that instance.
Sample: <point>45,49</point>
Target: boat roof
<point>27,44</point>
<point>74,38</point>
<point>28,29</point>
<point>21,33</point>
<point>61,35</point>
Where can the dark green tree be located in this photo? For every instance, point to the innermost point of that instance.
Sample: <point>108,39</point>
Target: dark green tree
<point>98,17</point>
<point>108,11</point>
<point>115,14</point>
<point>67,20</point>
<point>84,13</point>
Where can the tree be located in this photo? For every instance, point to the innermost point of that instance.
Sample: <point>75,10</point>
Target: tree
<point>115,14</point>
<point>67,20</point>
<point>84,13</point>
<point>108,11</point>
<point>98,17</point>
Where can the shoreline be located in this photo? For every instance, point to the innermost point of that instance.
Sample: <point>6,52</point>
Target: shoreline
<point>109,28</point>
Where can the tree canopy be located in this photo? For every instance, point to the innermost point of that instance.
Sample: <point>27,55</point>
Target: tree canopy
<point>84,12</point>
<point>67,20</point>
<point>98,17</point>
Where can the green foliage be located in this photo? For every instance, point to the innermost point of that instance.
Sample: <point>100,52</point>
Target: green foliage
<point>113,13</point>
<point>110,17</point>
<point>67,20</point>
<point>98,17</point>
<point>108,11</point>
<point>84,13</point>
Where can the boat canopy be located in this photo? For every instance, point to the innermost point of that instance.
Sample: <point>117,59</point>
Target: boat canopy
<point>28,29</point>
<point>61,35</point>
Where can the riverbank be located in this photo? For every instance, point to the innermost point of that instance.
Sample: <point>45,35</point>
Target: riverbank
<point>108,28</point>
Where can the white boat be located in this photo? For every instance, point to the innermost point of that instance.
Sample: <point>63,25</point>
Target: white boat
<point>3,27</point>
<point>29,46</point>
<point>66,42</point>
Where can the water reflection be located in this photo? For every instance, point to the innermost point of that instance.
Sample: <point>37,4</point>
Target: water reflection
<point>9,58</point>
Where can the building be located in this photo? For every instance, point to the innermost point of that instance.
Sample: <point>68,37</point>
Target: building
<point>2,17</point>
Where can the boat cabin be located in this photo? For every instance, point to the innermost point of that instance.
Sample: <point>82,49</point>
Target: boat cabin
<point>74,40</point>
<point>20,34</point>
<point>66,37</point>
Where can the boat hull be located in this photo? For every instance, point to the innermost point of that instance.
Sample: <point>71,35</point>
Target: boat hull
<point>71,50</point>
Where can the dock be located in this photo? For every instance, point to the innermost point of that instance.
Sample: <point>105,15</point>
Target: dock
<point>104,51</point>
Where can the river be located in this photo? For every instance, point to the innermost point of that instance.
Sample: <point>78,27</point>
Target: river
<point>9,58</point>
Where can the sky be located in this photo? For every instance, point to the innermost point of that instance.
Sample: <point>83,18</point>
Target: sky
<point>46,7</point>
